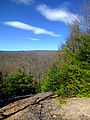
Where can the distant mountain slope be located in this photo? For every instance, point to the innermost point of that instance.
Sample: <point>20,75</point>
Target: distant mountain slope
<point>37,62</point>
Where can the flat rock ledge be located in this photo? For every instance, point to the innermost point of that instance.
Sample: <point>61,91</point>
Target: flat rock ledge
<point>46,106</point>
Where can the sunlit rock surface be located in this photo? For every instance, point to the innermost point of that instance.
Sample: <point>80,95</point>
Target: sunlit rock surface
<point>46,106</point>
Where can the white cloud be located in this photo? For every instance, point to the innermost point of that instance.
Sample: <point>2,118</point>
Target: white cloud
<point>32,38</point>
<point>25,2</point>
<point>57,14</point>
<point>36,30</point>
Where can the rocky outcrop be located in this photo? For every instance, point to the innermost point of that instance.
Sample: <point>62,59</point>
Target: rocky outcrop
<point>46,106</point>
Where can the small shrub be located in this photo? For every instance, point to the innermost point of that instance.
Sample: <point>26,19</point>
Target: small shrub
<point>62,101</point>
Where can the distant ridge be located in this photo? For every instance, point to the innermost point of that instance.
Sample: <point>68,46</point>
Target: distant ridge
<point>29,51</point>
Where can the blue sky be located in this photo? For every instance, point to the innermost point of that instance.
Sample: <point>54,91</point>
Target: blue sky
<point>35,24</point>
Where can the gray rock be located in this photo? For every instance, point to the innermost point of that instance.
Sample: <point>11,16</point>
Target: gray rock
<point>46,106</point>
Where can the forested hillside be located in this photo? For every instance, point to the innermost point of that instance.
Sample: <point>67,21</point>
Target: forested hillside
<point>37,62</point>
<point>23,69</point>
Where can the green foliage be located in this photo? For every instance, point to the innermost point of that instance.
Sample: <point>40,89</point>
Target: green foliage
<point>1,79</point>
<point>1,83</point>
<point>62,101</point>
<point>18,83</point>
<point>73,81</point>
<point>49,80</point>
<point>44,83</point>
<point>72,77</point>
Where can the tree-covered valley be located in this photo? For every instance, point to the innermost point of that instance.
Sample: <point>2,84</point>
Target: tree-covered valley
<point>27,65</point>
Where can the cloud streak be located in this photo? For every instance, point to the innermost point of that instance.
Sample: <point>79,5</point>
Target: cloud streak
<point>36,30</point>
<point>35,39</point>
<point>25,2</point>
<point>57,14</point>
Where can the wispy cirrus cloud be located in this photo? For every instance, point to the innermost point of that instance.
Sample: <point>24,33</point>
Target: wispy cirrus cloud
<point>25,2</point>
<point>57,14</point>
<point>36,30</point>
<point>36,39</point>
